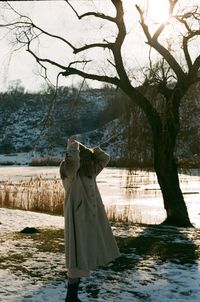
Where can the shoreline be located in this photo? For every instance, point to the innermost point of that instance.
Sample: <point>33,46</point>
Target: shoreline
<point>24,159</point>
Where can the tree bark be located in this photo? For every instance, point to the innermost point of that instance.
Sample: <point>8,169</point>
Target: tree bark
<point>167,175</point>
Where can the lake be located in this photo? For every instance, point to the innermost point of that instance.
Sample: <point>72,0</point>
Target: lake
<point>126,193</point>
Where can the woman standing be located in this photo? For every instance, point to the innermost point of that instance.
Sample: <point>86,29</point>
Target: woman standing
<point>89,241</point>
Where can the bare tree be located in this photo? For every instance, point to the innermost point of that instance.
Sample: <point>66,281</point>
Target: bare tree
<point>172,78</point>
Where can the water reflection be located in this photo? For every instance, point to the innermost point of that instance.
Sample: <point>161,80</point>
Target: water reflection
<point>137,193</point>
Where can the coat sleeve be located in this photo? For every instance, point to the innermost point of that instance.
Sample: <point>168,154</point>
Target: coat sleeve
<point>101,159</point>
<point>71,164</point>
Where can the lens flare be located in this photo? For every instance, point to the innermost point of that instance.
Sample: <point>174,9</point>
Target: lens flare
<point>158,10</point>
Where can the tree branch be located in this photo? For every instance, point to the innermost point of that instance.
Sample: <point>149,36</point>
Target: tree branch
<point>95,14</point>
<point>31,25</point>
<point>39,60</point>
<point>162,26</point>
<point>21,25</point>
<point>186,40</point>
<point>93,45</point>
<point>153,42</point>
<point>70,71</point>
<point>79,62</point>
<point>191,33</point>
<point>121,80</point>
<point>98,15</point>
<point>54,36</point>
<point>116,46</point>
<point>160,29</point>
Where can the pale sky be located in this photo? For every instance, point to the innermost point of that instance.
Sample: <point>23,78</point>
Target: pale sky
<point>58,18</point>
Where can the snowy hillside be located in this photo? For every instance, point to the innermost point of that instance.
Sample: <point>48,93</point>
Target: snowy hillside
<point>37,125</point>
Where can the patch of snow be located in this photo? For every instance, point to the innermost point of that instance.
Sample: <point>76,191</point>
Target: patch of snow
<point>27,219</point>
<point>149,279</point>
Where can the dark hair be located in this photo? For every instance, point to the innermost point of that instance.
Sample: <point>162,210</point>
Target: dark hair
<point>85,153</point>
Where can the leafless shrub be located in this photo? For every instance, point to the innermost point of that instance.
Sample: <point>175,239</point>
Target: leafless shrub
<point>45,161</point>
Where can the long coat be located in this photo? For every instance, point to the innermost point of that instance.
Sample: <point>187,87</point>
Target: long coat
<point>89,241</point>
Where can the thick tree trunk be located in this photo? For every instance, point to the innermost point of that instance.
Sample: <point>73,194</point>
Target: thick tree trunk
<point>165,127</point>
<point>167,174</point>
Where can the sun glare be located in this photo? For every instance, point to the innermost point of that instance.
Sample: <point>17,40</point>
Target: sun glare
<point>158,10</point>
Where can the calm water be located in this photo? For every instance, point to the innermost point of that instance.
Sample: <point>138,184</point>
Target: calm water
<point>134,193</point>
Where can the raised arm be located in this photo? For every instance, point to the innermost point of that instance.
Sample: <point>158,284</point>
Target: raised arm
<point>71,164</point>
<point>101,159</point>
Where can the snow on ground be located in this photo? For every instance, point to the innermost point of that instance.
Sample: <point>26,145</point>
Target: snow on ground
<point>32,274</point>
<point>16,220</point>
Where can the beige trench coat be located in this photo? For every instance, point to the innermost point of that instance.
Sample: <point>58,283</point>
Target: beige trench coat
<point>89,241</point>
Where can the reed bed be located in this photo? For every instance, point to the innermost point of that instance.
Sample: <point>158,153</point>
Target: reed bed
<point>46,195</point>
<point>123,214</point>
<point>38,194</point>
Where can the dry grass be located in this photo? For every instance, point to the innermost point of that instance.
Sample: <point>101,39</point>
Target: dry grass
<point>124,214</point>
<point>38,194</point>
<point>46,195</point>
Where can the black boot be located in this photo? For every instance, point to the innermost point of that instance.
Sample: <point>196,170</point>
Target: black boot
<point>72,293</point>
